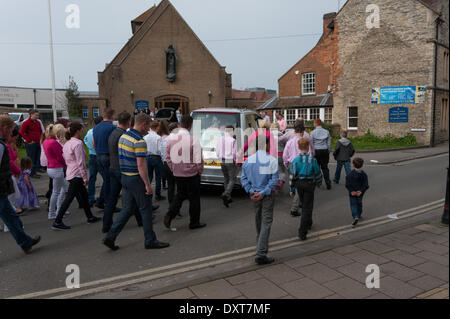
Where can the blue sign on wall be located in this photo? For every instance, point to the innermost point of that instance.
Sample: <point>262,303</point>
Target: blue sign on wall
<point>398,115</point>
<point>141,104</point>
<point>398,95</point>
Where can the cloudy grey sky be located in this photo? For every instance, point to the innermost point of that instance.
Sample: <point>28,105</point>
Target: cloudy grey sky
<point>105,27</point>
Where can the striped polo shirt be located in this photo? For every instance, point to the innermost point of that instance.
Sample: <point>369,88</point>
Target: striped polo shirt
<point>131,146</point>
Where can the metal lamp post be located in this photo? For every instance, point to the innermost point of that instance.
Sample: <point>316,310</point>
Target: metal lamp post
<point>52,63</point>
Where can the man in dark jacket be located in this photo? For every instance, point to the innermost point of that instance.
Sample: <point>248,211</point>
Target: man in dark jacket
<point>343,153</point>
<point>357,184</point>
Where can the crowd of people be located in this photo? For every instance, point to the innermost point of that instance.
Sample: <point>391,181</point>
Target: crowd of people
<point>136,151</point>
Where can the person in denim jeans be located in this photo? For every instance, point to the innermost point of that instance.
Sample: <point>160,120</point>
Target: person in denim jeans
<point>343,153</point>
<point>357,184</point>
<point>93,168</point>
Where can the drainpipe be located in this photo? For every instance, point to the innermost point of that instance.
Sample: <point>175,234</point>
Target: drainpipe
<point>433,123</point>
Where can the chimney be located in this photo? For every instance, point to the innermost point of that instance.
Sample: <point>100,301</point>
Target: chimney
<point>328,23</point>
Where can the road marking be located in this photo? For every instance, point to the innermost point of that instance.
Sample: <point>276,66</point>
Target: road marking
<point>239,254</point>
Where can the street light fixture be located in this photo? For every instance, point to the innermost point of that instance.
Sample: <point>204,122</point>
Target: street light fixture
<point>52,63</point>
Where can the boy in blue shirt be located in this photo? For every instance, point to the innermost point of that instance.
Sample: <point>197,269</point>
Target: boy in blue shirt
<point>357,184</point>
<point>259,179</point>
<point>304,176</point>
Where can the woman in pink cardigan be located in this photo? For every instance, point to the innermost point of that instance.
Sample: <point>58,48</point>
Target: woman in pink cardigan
<point>56,166</point>
<point>75,158</point>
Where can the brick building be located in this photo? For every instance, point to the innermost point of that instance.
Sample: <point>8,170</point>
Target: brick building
<point>410,48</point>
<point>139,72</point>
<point>249,98</point>
<point>306,89</point>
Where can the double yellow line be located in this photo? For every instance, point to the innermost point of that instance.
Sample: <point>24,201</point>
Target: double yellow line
<point>209,261</point>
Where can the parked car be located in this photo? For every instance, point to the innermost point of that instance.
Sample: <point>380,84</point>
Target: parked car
<point>169,114</point>
<point>19,118</point>
<point>213,122</point>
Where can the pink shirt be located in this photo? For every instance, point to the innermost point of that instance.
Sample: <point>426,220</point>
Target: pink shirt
<point>54,153</point>
<point>226,148</point>
<point>291,151</point>
<point>184,154</point>
<point>15,170</point>
<point>283,125</point>
<point>75,157</point>
<point>273,144</point>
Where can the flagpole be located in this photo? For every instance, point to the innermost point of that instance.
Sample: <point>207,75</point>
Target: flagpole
<point>52,64</point>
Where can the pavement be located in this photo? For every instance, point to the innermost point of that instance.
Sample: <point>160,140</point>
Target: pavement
<point>217,261</point>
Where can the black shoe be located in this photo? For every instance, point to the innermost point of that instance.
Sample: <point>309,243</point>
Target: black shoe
<point>60,226</point>
<point>225,201</point>
<point>302,237</point>
<point>329,186</point>
<point>157,245</point>
<point>158,198</point>
<point>155,207</point>
<point>34,242</point>
<point>110,244</point>
<point>101,206</point>
<point>167,221</point>
<point>105,230</point>
<point>264,260</point>
<point>93,220</point>
<point>355,221</point>
<point>196,226</point>
<point>335,181</point>
<point>117,210</point>
<point>295,214</point>
<point>91,204</point>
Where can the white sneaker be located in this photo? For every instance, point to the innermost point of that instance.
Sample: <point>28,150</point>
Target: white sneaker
<point>51,216</point>
<point>67,213</point>
<point>6,230</point>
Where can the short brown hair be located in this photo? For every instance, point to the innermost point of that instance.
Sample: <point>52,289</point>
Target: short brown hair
<point>154,125</point>
<point>344,133</point>
<point>303,144</point>
<point>318,122</point>
<point>358,162</point>
<point>33,111</point>
<point>109,113</point>
<point>186,121</point>
<point>124,118</point>
<point>142,118</point>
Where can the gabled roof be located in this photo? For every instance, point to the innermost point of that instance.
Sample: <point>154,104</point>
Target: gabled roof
<point>145,15</point>
<point>320,100</point>
<point>431,4</point>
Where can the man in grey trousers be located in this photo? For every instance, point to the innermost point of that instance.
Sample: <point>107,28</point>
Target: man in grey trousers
<point>259,179</point>
<point>226,151</point>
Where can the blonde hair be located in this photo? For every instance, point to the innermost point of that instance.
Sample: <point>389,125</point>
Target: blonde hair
<point>60,132</point>
<point>49,131</point>
<point>264,124</point>
<point>275,127</point>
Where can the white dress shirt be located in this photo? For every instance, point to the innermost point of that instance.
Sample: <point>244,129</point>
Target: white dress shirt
<point>153,141</point>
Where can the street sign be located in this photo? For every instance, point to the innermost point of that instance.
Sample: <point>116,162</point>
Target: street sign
<point>398,115</point>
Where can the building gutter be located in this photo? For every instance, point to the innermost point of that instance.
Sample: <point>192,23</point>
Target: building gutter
<point>433,122</point>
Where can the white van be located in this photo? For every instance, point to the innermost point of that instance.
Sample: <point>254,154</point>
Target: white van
<point>19,118</point>
<point>213,122</point>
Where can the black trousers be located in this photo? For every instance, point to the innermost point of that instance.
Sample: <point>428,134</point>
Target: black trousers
<point>323,158</point>
<point>305,189</point>
<point>168,175</point>
<point>78,190</point>
<point>187,188</point>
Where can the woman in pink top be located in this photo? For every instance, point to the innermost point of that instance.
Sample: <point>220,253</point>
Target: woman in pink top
<point>264,129</point>
<point>75,158</point>
<point>56,165</point>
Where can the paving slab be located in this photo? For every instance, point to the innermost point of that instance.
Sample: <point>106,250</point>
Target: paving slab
<point>440,259</point>
<point>375,247</point>
<point>305,288</point>
<point>404,258</point>
<point>426,282</point>
<point>406,239</point>
<point>432,237</point>
<point>346,249</point>
<point>349,288</point>
<point>399,271</point>
<point>398,289</point>
<point>177,294</point>
<point>406,248</point>
<point>432,247</point>
<point>410,231</point>
<point>302,261</point>
<point>335,296</point>
<point>279,274</point>
<point>434,269</point>
<point>218,289</point>
<point>319,273</point>
<point>367,258</point>
<point>356,271</point>
<point>243,278</point>
<point>432,229</point>
<point>332,259</point>
<point>261,289</point>
<point>379,296</point>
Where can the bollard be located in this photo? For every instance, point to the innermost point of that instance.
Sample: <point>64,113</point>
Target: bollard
<point>445,215</point>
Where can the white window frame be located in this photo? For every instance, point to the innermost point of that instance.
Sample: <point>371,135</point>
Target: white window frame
<point>93,112</point>
<point>307,81</point>
<point>330,109</point>
<point>85,113</point>
<point>353,117</point>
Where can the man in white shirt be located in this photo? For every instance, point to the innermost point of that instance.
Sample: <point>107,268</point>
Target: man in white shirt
<point>154,161</point>
<point>226,152</point>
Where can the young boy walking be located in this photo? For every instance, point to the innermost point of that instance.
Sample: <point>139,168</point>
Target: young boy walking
<point>304,176</point>
<point>357,184</point>
<point>343,153</point>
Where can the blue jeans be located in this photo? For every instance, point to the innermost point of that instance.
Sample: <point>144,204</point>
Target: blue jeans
<point>356,206</point>
<point>93,170</point>
<point>135,199</point>
<point>155,163</point>
<point>337,176</point>
<point>34,152</point>
<point>13,222</point>
<point>103,169</point>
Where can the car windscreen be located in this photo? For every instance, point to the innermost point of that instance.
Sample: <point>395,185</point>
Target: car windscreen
<point>14,117</point>
<point>213,126</point>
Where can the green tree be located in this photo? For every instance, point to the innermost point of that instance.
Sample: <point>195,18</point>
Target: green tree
<point>73,100</point>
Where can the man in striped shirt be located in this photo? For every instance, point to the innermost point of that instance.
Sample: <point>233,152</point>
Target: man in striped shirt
<point>137,190</point>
